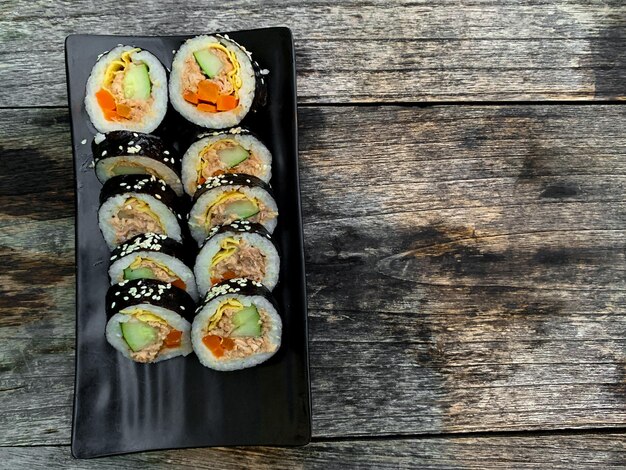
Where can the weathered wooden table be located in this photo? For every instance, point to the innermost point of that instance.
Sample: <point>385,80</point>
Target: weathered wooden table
<point>463,171</point>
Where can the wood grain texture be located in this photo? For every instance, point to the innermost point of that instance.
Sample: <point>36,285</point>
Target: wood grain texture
<point>353,51</point>
<point>465,270</point>
<point>554,452</point>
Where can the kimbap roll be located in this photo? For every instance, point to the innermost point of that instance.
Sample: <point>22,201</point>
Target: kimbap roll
<point>153,256</point>
<point>213,82</point>
<point>127,90</point>
<point>235,151</point>
<point>134,204</point>
<point>237,326</point>
<point>148,320</point>
<point>241,249</point>
<point>133,153</point>
<point>225,198</point>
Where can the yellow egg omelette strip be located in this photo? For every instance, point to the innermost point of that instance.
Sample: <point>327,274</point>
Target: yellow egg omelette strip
<point>228,247</point>
<point>209,147</point>
<point>143,207</point>
<point>118,65</point>
<point>138,260</point>
<point>234,77</point>
<point>226,196</point>
<point>143,315</point>
<point>217,316</point>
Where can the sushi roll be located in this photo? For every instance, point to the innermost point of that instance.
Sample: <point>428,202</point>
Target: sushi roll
<point>235,151</point>
<point>133,153</point>
<point>153,256</point>
<point>134,204</point>
<point>213,81</point>
<point>127,90</point>
<point>237,326</point>
<point>241,249</point>
<point>148,320</point>
<point>225,198</point>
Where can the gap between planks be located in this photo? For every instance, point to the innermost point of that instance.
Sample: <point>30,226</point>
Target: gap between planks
<point>565,432</point>
<point>413,104</point>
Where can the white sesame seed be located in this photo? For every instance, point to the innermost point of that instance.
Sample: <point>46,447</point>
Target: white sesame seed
<point>84,141</point>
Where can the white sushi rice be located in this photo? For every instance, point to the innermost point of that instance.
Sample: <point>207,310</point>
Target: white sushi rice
<point>220,119</point>
<point>112,205</point>
<point>104,170</point>
<point>158,92</point>
<point>197,214</point>
<point>191,159</point>
<point>180,269</point>
<point>202,267</point>
<point>200,322</point>
<point>115,338</point>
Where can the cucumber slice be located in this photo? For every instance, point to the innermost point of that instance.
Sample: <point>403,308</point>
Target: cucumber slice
<point>233,156</point>
<point>139,273</point>
<point>127,170</point>
<point>138,335</point>
<point>208,62</point>
<point>243,209</point>
<point>245,315</point>
<point>136,83</point>
<point>251,328</point>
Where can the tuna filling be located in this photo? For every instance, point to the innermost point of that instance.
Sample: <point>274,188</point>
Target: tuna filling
<point>133,219</point>
<point>192,74</point>
<point>150,352</point>
<point>137,108</point>
<point>211,164</point>
<point>220,215</point>
<point>240,347</point>
<point>247,261</point>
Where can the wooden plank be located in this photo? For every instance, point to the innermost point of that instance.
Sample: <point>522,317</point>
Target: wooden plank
<point>432,50</point>
<point>477,250</point>
<point>555,452</point>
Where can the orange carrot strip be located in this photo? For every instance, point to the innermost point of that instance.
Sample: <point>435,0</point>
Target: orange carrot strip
<point>124,110</point>
<point>207,108</point>
<point>110,114</point>
<point>208,91</point>
<point>218,345</point>
<point>180,284</point>
<point>172,340</point>
<point>105,98</point>
<point>226,102</point>
<point>191,97</point>
<point>228,275</point>
<point>201,180</point>
<point>214,344</point>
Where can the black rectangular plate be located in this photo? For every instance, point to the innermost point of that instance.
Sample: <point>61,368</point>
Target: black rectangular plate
<point>121,406</point>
